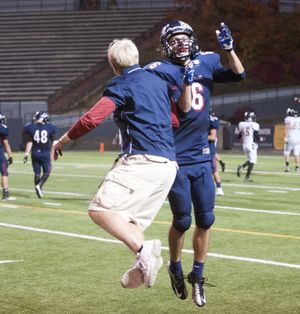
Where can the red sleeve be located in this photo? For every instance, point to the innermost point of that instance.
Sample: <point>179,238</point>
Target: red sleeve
<point>174,115</point>
<point>103,108</point>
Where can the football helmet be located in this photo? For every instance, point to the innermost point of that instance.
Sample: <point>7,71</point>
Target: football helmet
<point>41,117</point>
<point>180,49</point>
<point>3,119</point>
<point>290,112</point>
<point>250,116</point>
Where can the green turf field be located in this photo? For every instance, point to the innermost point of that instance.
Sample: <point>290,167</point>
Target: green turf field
<point>54,259</point>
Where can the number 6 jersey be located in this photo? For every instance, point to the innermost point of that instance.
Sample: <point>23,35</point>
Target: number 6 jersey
<point>191,137</point>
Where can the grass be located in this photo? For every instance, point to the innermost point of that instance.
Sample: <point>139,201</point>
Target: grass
<point>59,271</point>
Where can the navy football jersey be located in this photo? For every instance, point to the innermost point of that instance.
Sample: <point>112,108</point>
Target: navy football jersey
<point>41,136</point>
<point>191,137</point>
<point>143,112</point>
<point>3,136</point>
<point>214,123</point>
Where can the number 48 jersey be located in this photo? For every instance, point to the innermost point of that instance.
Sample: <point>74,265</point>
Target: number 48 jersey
<point>41,136</point>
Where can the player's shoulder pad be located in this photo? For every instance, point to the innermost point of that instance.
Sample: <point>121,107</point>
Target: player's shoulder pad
<point>208,57</point>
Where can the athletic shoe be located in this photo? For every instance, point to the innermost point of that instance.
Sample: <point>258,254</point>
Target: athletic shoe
<point>287,169</point>
<point>178,284</point>
<point>238,171</point>
<point>222,163</point>
<point>219,192</point>
<point>146,266</point>
<point>248,180</point>
<point>198,294</point>
<point>5,195</point>
<point>38,191</point>
<point>297,170</point>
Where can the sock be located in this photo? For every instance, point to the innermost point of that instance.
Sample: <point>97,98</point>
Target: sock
<point>176,268</point>
<point>249,170</point>
<point>218,184</point>
<point>197,270</point>
<point>287,163</point>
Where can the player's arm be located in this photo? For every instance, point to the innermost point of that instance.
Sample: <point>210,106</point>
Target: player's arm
<point>225,41</point>
<point>185,100</point>
<point>212,136</point>
<point>8,150</point>
<point>95,116</point>
<point>27,151</point>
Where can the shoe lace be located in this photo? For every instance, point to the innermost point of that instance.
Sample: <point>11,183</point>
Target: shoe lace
<point>204,282</point>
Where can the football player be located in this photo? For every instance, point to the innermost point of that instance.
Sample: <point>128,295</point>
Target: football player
<point>39,135</point>
<point>135,188</point>
<point>194,183</point>
<point>214,124</point>
<point>292,138</point>
<point>248,132</point>
<point>4,148</point>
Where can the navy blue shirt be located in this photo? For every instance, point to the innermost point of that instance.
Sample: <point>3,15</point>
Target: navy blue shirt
<point>143,112</point>
<point>41,136</point>
<point>191,137</point>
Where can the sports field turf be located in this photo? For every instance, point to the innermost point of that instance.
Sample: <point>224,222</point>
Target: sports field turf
<point>54,259</point>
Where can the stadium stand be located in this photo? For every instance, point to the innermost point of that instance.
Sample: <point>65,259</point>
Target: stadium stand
<point>45,55</point>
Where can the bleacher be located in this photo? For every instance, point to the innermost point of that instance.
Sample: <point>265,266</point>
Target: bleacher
<point>45,54</point>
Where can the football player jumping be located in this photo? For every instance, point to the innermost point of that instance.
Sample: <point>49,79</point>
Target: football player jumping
<point>136,187</point>
<point>194,182</point>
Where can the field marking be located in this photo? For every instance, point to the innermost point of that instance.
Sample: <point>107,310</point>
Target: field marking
<point>262,211</point>
<point>11,261</point>
<point>244,193</point>
<point>216,255</point>
<point>54,174</point>
<point>268,187</point>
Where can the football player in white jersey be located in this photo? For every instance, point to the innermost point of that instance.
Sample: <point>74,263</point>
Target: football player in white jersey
<point>292,138</point>
<point>248,132</point>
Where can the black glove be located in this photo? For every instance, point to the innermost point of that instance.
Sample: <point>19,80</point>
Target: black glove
<point>25,159</point>
<point>9,160</point>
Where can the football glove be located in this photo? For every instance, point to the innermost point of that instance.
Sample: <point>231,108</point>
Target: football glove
<point>224,37</point>
<point>189,72</point>
<point>188,76</point>
<point>9,160</point>
<point>25,159</point>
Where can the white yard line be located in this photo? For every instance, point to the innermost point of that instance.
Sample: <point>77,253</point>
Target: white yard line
<point>216,255</point>
<point>11,261</point>
<point>262,211</point>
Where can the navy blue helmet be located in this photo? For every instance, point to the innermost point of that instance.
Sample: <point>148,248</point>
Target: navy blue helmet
<point>41,117</point>
<point>178,28</point>
<point>3,119</point>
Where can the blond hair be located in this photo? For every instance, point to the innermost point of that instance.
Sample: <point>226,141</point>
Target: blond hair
<point>122,53</point>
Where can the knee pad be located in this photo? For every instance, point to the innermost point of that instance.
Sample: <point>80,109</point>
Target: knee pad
<point>182,223</point>
<point>206,220</point>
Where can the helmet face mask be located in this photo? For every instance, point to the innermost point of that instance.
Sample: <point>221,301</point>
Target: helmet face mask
<point>175,48</point>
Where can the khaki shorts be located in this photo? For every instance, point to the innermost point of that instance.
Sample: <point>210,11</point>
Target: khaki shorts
<point>136,188</point>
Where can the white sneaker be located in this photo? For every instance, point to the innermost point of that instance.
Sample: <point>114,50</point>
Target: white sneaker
<point>219,192</point>
<point>38,191</point>
<point>146,266</point>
